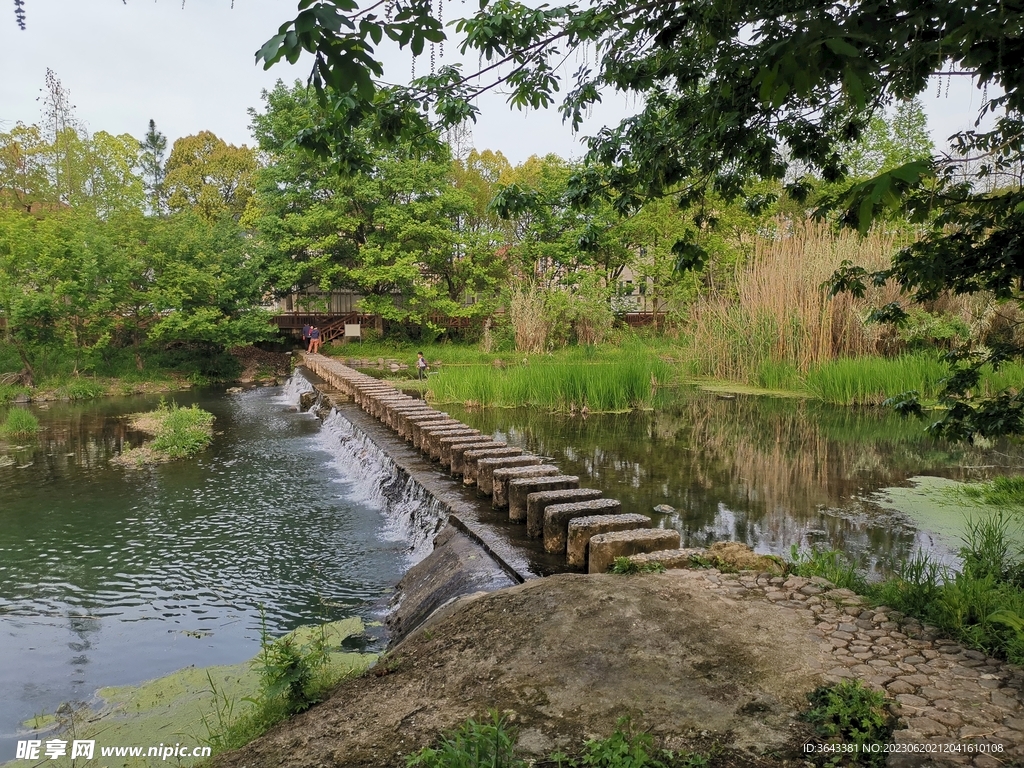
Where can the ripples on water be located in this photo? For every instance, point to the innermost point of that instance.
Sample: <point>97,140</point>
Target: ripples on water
<point>111,576</point>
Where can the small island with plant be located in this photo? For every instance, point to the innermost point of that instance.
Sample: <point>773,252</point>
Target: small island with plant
<point>178,433</point>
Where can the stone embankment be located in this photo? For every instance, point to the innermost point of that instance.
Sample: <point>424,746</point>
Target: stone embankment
<point>963,706</point>
<point>520,485</point>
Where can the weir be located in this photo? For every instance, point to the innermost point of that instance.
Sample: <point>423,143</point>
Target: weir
<point>466,524</point>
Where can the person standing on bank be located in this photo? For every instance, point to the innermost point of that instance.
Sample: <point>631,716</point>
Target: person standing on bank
<point>421,366</point>
<point>305,335</point>
<point>314,339</point>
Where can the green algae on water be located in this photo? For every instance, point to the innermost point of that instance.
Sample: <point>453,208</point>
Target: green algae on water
<point>184,706</point>
<point>940,506</point>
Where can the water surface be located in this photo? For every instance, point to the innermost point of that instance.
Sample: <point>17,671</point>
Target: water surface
<point>112,576</point>
<point>770,472</point>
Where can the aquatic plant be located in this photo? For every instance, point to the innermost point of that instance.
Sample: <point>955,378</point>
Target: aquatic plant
<point>830,564</point>
<point>179,433</point>
<point>999,492</point>
<point>20,422</point>
<point>80,389</point>
<point>871,380</point>
<point>981,606</point>
<point>183,431</point>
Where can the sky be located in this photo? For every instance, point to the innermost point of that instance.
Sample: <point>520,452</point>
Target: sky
<point>193,68</point>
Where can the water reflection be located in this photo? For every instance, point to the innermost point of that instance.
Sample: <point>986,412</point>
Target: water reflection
<point>770,472</point>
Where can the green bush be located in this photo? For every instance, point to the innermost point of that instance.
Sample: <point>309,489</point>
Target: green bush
<point>476,744</point>
<point>81,389</point>
<point>849,713</point>
<point>625,748</point>
<point>10,391</point>
<point>291,672</point>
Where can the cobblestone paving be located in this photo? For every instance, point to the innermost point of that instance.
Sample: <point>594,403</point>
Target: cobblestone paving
<point>947,697</point>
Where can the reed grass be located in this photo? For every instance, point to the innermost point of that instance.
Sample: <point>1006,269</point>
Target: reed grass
<point>564,385</point>
<point>871,380</point>
<point>998,492</point>
<point>781,313</point>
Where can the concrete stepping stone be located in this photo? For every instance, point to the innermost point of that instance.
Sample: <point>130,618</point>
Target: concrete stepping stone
<point>485,469</point>
<point>393,416</point>
<point>521,487</point>
<point>583,529</point>
<point>419,426</point>
<point>557,517</point>
<point>471,458</point>
<point>447,442</point>
<point>503,477</point>
<point>538,501</point>
<point>459,451</point>
<point>408,423</point>
<point>605,547</point>
<point>431,443</point>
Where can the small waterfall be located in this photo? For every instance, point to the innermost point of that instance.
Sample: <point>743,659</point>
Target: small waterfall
<point>293,389</point>
<point>411,514</point>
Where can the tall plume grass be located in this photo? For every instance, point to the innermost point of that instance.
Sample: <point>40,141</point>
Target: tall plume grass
<point>780,317</point>
<point>529,320</point>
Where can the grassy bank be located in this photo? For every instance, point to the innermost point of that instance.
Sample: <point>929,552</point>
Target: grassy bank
<point>170,369</point>
<point>981,605</point>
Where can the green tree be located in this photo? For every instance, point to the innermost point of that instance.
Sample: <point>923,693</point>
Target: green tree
<point>895,138</point>
<point>392,233</point>
<point>24,182</point>
<point>153,148</point>
<point>207,175</point>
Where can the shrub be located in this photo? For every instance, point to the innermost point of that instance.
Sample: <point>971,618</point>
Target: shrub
<point>483,744</point>
<point>849,713</point>
<point>80,389</point>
